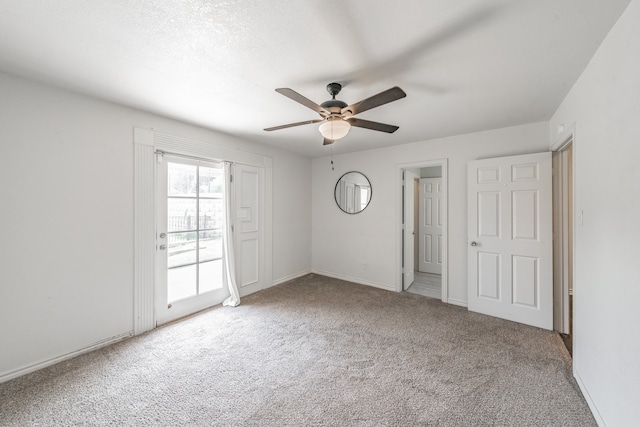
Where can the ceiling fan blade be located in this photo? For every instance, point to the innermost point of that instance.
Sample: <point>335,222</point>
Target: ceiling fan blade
<point>382,127</point>
<point>290,125</point>
<point>328,141</point>
<point>292,94</point>
<point>382,98</point>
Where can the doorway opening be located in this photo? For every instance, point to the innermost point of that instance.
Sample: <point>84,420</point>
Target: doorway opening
<point>423,231</point>
<point>563,222</point>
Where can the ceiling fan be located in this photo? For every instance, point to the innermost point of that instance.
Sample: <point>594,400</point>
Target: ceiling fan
<point>337,116</point>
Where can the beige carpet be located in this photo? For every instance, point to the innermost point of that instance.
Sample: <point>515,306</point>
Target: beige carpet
<point>313,351</point>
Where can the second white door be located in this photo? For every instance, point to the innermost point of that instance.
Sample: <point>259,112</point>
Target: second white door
<point>249,219</point>
<point>430,226</point>
<point>510,234</point>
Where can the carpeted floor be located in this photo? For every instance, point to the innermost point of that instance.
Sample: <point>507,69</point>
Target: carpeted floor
<point>313,351</point>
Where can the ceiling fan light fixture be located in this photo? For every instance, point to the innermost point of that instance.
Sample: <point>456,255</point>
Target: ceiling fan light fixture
<point>334,128</point>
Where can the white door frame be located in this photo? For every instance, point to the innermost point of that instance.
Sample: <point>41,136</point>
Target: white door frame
<point>146,142</point>
<point>561,294</point>
<point>445,234</point>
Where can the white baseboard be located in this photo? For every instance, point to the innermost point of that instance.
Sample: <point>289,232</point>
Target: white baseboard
<point>37,366</point>
<point>290,277</point>
<point>587,397</point>
<point>457,302</point>
<point>355,280</point>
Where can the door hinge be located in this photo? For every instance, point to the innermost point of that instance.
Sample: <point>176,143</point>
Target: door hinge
<point>230,178</point>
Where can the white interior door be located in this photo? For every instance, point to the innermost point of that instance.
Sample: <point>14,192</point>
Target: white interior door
<point>189,259</point>
<point>430,228</point>
<point>249,227</point>
<point>409,229</point>
<point>510,238</point>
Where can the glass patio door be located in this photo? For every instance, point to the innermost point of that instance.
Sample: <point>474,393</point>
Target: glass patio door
<point>189,237</point>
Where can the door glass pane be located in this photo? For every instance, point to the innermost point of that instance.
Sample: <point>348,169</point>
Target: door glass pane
<point>181,283</point>
<point>195,215</point>
<point>210,276</point>
<point>181,214</point>
<point>211,211</point>
<point>210,245</point>
<point>211,181</point>
<point>181,249</point>
<point>182,179</point>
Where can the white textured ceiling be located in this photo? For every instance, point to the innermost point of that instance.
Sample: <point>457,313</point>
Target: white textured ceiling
<point>466,66</point>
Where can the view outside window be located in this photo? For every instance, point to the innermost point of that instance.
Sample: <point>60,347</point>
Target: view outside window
<point>195,214</point>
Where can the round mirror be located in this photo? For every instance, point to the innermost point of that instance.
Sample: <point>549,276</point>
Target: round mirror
<point>353,192</point>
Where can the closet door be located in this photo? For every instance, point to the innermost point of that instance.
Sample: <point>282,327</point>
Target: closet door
<point>430,228</point>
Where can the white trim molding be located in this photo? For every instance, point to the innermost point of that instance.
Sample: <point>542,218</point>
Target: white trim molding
<point>457,302</point>
<point>585,392</point>
<point>565,138</point>
<point>290,277</point>
<point>355,280</point>
<point>49,362</point>
<point>144,232</point>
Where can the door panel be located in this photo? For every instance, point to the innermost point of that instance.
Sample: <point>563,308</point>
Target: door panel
<point>510,237</point>
<point>524,215</point>
<point>409,228</point>
<point>489,214</point>
<point>489,275</point>
<point>249,228</point>
<point>525,281</point>
<point>249,265</point>
<point>430,228</point>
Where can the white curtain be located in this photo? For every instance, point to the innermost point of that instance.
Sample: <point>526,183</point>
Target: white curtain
<point>227,243</point>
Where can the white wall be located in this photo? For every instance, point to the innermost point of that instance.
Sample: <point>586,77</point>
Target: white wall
<point>66,194</point>
<point>291,216</point>
<point>431,172</point>
<point>604,108</point>
<point>342,243</point>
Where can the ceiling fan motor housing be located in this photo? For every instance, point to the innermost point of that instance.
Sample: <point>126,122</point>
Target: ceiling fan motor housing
<point>334,89</point>
<point>334,106</point>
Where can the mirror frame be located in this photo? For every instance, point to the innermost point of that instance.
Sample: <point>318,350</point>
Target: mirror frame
<point>335,192</point>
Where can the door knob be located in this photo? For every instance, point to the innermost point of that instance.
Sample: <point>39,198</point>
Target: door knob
<point>163,235</point>
<point>474,244</point>
<point>163,247</point>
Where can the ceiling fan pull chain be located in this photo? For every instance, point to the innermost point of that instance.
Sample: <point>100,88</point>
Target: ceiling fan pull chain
<point>332,158</point>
